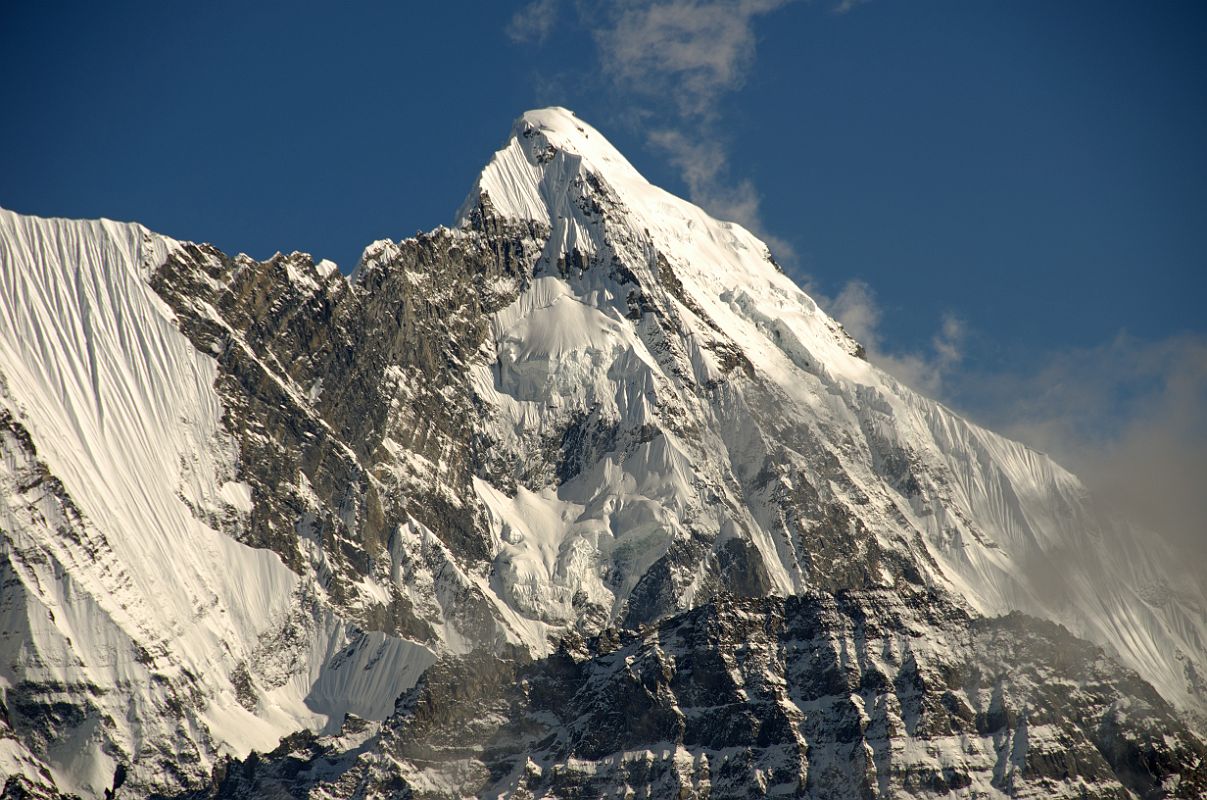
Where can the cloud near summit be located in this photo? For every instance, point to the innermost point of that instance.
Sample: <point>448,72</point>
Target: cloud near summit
<point>694,52</point>
<point>691,51</point>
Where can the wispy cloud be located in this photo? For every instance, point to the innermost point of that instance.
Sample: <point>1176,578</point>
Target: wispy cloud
<point>682,57</point>
<point>704,166</point>
<point>533,23</point>
<point>857,309</point>
<point>847,6</point>
<point>692,51</point>
<point>1129,417</point>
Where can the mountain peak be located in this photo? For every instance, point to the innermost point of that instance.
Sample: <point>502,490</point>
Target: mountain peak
<point>557,170</point>
<point>240,498</point>
<point>546,151</point>
<point>559,125</point>
<point>563,130</point>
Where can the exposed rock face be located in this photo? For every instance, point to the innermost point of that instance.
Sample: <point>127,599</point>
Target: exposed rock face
<point>639,513</point>
<point>353,414</point>
<point>857,695</point>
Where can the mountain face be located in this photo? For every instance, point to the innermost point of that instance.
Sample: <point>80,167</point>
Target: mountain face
<point>580,497</point>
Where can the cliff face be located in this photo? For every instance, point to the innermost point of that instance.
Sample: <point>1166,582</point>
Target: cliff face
<point>636,510</point>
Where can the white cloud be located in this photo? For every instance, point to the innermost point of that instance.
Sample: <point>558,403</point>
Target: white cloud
<point>847,6</point>
<point>859,312</point>
<point>1129,417</point>
<point>679,58</point>
<point>704,166</point>
<point>691,51</point>
<point>533,23</point>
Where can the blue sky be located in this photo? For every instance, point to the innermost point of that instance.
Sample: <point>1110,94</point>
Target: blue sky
<point>1006,200</point>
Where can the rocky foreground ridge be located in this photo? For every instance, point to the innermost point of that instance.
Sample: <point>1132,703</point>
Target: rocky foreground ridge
<point>859,694</point>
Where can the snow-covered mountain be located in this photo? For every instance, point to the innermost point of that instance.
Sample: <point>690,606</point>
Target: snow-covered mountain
<point>585,483</point>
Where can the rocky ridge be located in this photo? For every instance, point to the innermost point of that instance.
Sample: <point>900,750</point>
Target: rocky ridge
<point>867,693</point>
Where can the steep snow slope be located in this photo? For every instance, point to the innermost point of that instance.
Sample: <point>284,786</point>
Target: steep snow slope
<point>986,517</point>
<point>129,622</point>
